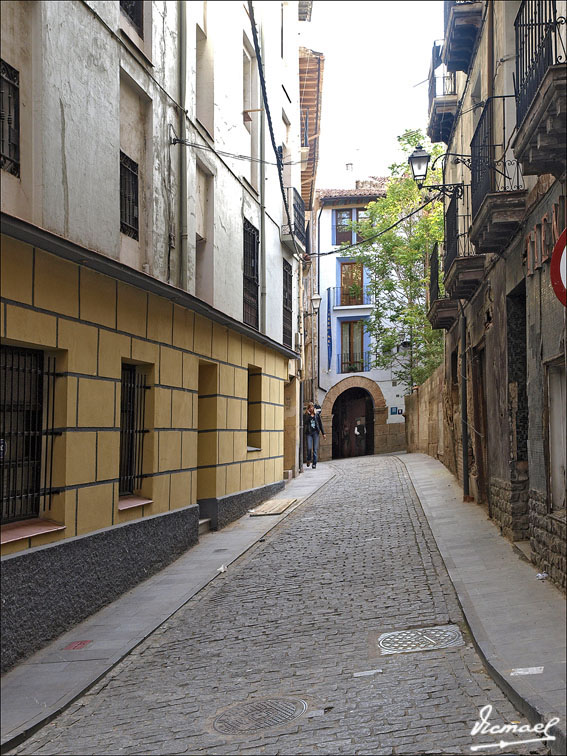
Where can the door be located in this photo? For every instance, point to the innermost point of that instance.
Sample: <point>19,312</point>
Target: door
<point>557,433</point>
<point>352,357</point>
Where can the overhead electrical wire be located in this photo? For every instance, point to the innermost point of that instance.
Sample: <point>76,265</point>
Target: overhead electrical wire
<point>270,125</point>
<point>380,233</point>
<point>233,155</point>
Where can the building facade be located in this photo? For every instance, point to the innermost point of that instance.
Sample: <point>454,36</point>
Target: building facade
<point>152,244</point>
<point>502,117</point>
<point>361,406</point>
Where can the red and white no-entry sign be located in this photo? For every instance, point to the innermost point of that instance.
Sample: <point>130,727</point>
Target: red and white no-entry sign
<point>558,269</point>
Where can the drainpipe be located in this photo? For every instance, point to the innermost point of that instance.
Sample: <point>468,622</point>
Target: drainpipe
<point>263,272</point>
<point>319,292</point>
<point>182,153</point>
<point>464,422</point>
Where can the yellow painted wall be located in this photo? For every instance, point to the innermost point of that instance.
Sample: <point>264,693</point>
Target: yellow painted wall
<point>92,323</point>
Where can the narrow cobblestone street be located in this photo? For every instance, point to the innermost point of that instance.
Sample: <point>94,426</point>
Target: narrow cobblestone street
<point>297,618</point>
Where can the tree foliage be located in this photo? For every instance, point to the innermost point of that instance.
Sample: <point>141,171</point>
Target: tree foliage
<point>398,262</point>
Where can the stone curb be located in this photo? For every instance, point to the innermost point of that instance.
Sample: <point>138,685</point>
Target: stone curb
<point>531,706</point>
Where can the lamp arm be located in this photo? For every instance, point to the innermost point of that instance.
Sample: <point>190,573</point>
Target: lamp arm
<point>465,159</point>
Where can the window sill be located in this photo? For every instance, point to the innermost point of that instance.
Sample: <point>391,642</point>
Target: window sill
<point>130,502</point>
<point>253,448</point>
<point>20,531</point>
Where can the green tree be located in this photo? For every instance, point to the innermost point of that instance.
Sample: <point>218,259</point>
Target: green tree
<point>398,262</point>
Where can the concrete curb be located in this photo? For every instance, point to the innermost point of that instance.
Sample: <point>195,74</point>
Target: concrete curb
<point>526,700</point>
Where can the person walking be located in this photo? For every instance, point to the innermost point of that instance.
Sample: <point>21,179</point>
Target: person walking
<point>313,427</point>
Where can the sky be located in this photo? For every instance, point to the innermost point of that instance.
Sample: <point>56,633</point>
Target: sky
<point>376,52</point>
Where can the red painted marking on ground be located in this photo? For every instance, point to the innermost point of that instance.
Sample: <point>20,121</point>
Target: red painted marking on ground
<point>76,645</point>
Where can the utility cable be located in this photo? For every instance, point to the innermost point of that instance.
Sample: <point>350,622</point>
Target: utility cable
<point>270,125</point>
<point>380,233</point>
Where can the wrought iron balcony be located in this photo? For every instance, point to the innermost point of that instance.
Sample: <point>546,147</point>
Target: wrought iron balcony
<point>498,196</point>
<point>442,311</point>
<point>541,78</point>
<point>296,232</point>
<point>351,296</point>
<point>350,362</point>
<point>463,268</point>
<point>463,19</point>
<point>442,106</point>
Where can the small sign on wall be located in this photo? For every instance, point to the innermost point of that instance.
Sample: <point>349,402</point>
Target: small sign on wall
<point>394,411</point>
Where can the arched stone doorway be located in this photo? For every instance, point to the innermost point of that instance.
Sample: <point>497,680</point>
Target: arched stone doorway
<point>375,412</point>
<point>353,424</point>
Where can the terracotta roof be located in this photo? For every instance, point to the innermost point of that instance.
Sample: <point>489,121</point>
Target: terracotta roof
<point>373,187</point>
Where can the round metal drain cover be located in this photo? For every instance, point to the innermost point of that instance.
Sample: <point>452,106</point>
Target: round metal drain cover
<point>259,715</point>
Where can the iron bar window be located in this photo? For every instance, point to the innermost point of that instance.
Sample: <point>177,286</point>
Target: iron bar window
<point>9,119</point>
<point>128,196</point>
<point>132,428</point>
<point>134,10</point>
<point>538,46</point>
<point>251,275</point>
<point>287,303</point>
<point>298,215</point>
<point>27,414</point>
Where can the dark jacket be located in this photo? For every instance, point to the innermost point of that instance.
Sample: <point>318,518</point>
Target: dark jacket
<point>318,423</point>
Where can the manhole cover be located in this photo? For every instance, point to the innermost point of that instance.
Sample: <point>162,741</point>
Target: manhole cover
<point>421,639</point>
<point>259,715</point>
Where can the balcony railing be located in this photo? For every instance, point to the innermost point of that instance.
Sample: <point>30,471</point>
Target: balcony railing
<point>354,363</point>
<point>493,166</point>
<point>457,224</point>
<point>441,85</point>
<point>539,45</point>
<point>296,207</point>
<point>350,296</point>
<point>434,275</point>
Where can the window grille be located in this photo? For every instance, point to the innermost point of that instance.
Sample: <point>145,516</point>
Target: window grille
<point>128,196</point>
<point>134,9</point>
<point>132,430</point>
<point>27,412</point>
<point>9,119</point>
<point>287,303</point>
<point>251,242</point>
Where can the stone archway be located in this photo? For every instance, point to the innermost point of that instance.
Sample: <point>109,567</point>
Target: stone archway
<point>380,412</point>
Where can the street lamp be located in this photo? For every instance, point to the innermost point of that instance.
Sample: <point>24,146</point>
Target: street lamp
<point>419,163</point>
<point>316,302</point>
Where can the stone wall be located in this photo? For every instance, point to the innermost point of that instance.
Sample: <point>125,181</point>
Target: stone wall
<point>424,417</point>
<point>508,507</point>
<point>548,538</point>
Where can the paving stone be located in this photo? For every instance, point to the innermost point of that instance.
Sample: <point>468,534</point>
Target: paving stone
<point>296,617</point>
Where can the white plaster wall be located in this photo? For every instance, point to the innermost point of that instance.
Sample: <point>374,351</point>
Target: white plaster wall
<point>83,51</point>
<point>393,394</point>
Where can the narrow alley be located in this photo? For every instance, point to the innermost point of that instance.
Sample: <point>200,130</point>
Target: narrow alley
<point>283,653</point>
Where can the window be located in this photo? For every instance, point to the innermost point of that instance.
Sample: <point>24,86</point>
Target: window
<point>132,430</point>
<point>351,284</point>
<point>287,303</point>
<point>10,119</point>
<point>352,358</point>
<point>341,230</point>
<point>254,408</point>
<point>128,196</point>
<point>361,217</point>
<point>134,9</point>
<point>27,382</point>
<point>251,241</point>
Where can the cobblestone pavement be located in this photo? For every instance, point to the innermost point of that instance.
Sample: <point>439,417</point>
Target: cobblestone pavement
<point>297,618</point>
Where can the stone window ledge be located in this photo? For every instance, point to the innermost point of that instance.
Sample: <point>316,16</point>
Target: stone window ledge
<point>559,514</point>
<point>19,531</point>
<point>130,502</point>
